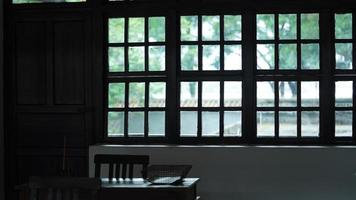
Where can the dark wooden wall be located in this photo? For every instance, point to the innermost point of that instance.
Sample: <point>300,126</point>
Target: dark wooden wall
<point>49,94</point>
<point>1,103</point>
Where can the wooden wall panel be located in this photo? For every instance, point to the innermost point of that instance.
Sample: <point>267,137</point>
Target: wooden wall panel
<point>30,59</point>
<point>48,130</point>
<point>69,62</point>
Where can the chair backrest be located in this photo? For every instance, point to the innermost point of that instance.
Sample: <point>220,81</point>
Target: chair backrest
<point>63,188</point>
<point>122,164</point>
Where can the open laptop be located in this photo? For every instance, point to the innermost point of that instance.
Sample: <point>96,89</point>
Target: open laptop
<point>167,174</point>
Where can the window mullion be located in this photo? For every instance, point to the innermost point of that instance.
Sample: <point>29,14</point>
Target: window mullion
<point>249,133</point>
<point>326,86</point>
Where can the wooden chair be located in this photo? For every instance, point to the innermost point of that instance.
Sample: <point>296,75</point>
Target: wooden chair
<point>63,188</point>
<point>120,163</point>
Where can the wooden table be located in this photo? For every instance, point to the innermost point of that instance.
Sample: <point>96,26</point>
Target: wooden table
<point>139,189</point>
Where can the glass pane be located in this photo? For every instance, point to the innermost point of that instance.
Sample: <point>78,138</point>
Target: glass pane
<point>310,56</point>
<point>116,30</point>
<point>136,95</point>
<point>45,1</point>
<point>265,56</point>
<point>189,28</point>
<point>211,57</point>
<point>116,95</point>
<point>343,26</point>
<point>287,26</point>
<point>287,56</point>
<point>136,59</point>
<point>232,93</point>
<point>287,124</point>
<point>115,124</point>
<point>232,124</point>
<point>310,93</point>
<point>287,93</point>
<point>189,57</point>
<point>232,57</point>
<point>157,91</point>
<point>310,124</point>
<point>157,29</point>
<point>232,27</point>
<point>136,125</point>
<point>136,29</point>
<point>116,59</point>
<point>265,27</point>
<point>157,58</point>
<point>265,94</point>
<point>211,28</point>
<point>265,124</point>
<point>310,26</point>
<point>156,123</point>
<point>210,124</point>
<point>211,94</point>
<point>343,93</point>
<point>343,55</point>
<point>343,124</point>
<point>189,94</point>
<point>188,123</point>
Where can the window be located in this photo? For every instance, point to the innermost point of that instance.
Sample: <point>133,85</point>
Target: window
<point>278,81</point>
<point>136,77</point>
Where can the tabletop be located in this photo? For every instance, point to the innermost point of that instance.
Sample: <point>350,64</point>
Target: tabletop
<point>142,183</point>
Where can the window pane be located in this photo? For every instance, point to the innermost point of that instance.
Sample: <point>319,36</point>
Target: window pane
<point>287,56</point>
<point>136,29</point>
<point>265,94</point>
<point>157,29</point>
<point>211,94</point>
<point>189,94</point>
<point>136,124</point>
<point>116,30</point>
<point>287,26</point>
<point>211,57</point>
<point>232,93</point>
<point>211,28</point>
<point>116,59</point>
<point>310,56</point>
<point>189,57</point>
<point>136,95</point>
<point>343,93</point>
<point>287,94</point>
<point>343,26</point>
<point>136,59</point>
<point>343,55</point>
<point>343,123</point>
<point>310,93</point>
<point>310,124</point>
<point>232,124</point>
<point>157,91</point>
<point>116,95</point>
<point>188,123</point>
<point>310,26</point>
<point>287,124</point>
<point>189,28</point>
<point>45,1</point>
<point>210,124</point>
<point>232,57</point>
<point>115,124</point>
<point>157,58</point>
<point>265,27</point>
<point>156,123</point>
<point>265,124</point>
<point>232,27</point>
<point>265,56</point>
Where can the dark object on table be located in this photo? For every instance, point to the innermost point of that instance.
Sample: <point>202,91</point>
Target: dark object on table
<point>68,188</point>
<point>167,174</point>
<point>120,163</point>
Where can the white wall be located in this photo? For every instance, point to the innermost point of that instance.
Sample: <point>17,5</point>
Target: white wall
<point>257,173</point>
